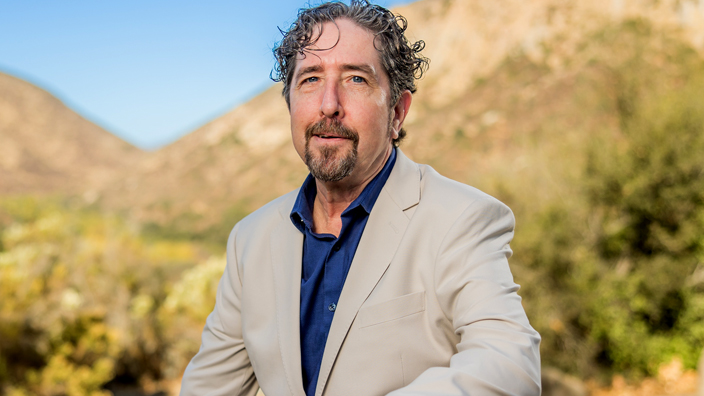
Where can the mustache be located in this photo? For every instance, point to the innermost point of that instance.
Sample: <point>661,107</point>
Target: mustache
<point>331,127</point>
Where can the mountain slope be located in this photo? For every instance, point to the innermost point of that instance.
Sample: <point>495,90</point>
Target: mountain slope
<point>233,163</point>
<point>469,39</point>
<point>511,85</point>
<point>45,147</point>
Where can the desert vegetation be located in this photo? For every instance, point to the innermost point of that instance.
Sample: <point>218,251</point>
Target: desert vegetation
<point>87,300</point>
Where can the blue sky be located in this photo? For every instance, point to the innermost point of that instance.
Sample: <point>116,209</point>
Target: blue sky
<point>147,71</point>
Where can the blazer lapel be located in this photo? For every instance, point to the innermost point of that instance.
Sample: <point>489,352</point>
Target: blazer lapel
<point>382,236</point>
<point>286,253</point>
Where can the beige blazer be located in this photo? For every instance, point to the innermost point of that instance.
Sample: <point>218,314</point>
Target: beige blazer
<point>429,306</point>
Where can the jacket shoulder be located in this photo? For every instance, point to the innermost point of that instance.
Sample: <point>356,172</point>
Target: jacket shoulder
<point>267,216</point>
<point>451,195</point>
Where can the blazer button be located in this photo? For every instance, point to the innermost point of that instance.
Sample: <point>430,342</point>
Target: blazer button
<point>332,307</point>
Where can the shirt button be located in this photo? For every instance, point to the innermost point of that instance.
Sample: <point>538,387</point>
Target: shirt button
<point>336,248</point>
<point>332,307</point>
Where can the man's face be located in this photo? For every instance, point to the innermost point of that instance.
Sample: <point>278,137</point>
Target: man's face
<point>342,123</point>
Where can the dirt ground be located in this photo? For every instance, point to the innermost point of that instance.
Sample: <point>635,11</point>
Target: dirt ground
<point>671,380</point>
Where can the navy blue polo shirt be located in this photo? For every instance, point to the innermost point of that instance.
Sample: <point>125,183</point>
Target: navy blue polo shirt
<point>326,261</point>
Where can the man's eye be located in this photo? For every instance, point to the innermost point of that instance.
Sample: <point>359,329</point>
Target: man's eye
<point>311,79</point>
<point>357,79</point>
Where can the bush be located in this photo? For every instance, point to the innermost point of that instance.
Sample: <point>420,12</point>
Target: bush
<point>80,296</point>
<point>615,280</point>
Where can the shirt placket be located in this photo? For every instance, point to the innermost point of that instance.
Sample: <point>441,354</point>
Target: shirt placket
<point>330,283</point>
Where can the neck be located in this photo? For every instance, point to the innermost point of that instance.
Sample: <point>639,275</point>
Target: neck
<point>333,198</point>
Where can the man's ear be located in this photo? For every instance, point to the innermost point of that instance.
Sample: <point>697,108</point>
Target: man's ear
<point>400,111</point>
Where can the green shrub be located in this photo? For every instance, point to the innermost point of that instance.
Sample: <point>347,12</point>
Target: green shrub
<point>615,279</point>
<point>80,293</point>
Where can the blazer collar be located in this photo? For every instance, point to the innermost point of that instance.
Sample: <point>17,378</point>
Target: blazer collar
<point>382,235</point>
<point>404,182</point>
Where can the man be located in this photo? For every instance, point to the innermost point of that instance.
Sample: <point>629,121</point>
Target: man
<point>378,275</point>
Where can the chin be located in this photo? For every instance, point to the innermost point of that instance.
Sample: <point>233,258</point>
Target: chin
<point>330,164</point>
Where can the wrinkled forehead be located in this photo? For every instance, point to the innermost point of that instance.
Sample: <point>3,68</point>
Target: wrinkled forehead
<point>342,34</point>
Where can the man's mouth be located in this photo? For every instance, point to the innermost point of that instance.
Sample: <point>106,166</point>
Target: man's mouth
<point>331,130</point>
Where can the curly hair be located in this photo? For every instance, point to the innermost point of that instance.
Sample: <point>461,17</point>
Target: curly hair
<point>401,59</point>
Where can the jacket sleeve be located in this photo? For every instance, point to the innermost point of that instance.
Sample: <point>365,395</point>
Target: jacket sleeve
<point>498,352</point>
<point>222,366</point>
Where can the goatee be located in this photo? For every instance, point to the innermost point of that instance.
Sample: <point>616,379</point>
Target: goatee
<point>329,164</point>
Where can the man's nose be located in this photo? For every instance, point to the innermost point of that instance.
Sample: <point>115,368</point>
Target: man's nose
<point>331,105</point>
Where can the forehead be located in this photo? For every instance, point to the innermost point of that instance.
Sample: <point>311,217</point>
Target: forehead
<point>342,42</point>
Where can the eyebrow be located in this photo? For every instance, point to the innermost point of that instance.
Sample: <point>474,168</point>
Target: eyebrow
<point>346,67</point>
<point>363,68</point>
<point>309,69</point>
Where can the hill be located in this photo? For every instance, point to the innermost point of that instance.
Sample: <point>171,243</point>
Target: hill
<point>511,85</point>
<point>45,147</point>
<point>215,175</point>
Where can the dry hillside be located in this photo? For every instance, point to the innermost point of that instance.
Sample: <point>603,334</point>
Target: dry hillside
<point>241,157</point>
<point>45,147</point>
<point>511,85</point>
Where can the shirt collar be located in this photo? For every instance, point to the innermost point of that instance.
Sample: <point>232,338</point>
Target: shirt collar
<point>302,212</point>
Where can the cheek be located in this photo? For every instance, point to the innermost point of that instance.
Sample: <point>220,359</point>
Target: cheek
<point>298,119</point>
<point>298,129</point>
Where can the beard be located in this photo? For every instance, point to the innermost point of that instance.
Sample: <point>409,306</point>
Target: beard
<point>331,164</point>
